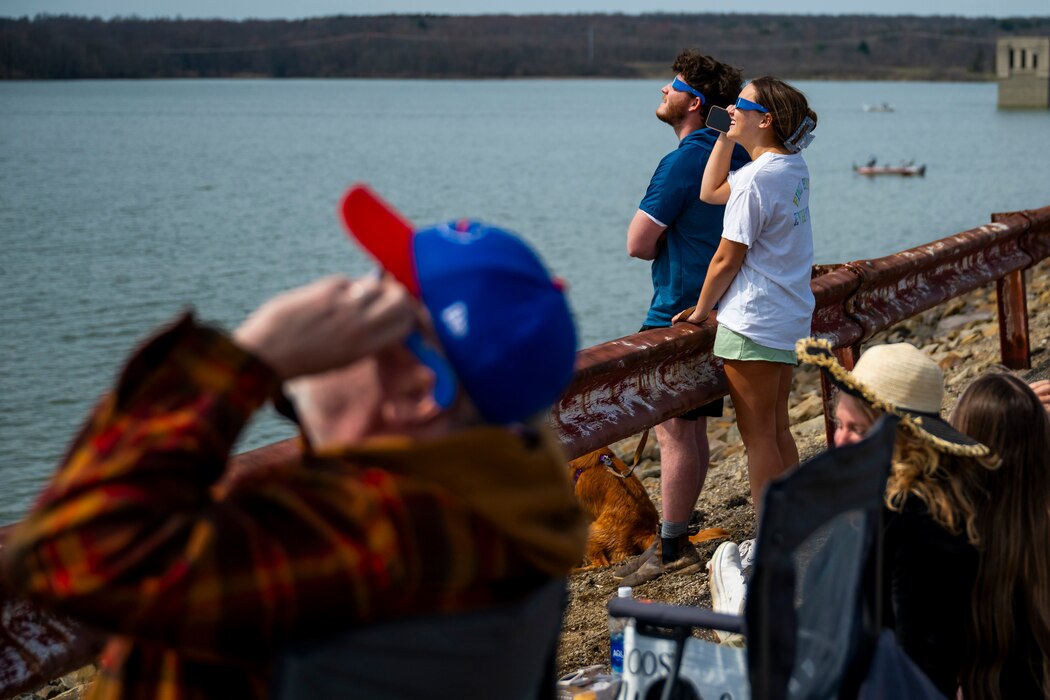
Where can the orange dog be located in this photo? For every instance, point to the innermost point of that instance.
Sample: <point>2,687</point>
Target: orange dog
<point>623,518</point>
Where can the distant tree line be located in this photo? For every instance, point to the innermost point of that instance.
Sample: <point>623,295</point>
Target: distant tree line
<point>504,46</point>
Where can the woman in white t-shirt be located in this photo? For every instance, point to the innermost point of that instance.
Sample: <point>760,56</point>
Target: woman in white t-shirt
<point>759,277</point>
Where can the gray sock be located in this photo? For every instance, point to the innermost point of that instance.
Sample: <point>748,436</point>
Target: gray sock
<point>669,530</point>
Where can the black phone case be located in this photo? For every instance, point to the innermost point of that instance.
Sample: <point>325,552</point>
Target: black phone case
<point>718,119</point>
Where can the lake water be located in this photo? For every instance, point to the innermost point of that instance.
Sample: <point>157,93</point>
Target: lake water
<point>123,202</point>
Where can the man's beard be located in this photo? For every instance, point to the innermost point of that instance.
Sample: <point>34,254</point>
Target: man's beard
<point>673,113</point>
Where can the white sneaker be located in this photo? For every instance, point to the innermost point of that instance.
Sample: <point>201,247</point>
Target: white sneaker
<point>726,581</point>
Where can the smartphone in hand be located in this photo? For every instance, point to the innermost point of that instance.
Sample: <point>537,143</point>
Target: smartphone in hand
<point>718,119</point>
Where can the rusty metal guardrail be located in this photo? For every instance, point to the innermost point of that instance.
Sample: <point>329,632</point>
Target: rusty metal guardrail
<point>632,383</point>
<point>625,385</point>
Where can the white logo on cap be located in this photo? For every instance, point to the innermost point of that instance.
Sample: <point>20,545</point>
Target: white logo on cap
<point>454,317</point>
<point>462,234</point>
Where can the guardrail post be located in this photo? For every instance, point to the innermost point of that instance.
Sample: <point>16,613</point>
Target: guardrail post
<point>1012,305</point>
<point>1013,320</point>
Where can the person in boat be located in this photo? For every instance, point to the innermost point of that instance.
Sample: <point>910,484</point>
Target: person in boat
<point>679,234</point>
<point>871,162</point>
<point>426,484</point>
<point>760,275</point>
<point>934,494</point>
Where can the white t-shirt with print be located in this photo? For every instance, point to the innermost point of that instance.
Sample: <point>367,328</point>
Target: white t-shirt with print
<point>770,301</point>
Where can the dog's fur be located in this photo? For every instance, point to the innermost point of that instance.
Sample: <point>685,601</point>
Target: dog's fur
<point>623,518</point>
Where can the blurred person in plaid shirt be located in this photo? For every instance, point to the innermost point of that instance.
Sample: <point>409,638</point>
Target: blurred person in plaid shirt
<point>427,484</point>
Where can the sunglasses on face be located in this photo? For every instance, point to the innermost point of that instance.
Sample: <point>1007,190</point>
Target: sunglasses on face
<point>682,86</point>
<point>444,376</point>
<point>750,106</point>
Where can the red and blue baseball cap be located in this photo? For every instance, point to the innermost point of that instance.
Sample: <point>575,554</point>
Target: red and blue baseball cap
<point>503,321</point>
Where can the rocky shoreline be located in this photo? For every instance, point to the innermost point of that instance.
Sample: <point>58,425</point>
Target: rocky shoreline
<point>962,335</point>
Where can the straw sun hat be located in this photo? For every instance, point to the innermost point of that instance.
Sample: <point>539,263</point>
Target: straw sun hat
<point>896,378</point>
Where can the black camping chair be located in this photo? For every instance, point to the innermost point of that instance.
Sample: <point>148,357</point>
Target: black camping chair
<point>810,623</point>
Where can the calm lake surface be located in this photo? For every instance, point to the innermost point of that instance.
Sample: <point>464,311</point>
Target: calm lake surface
<point>122,203</point>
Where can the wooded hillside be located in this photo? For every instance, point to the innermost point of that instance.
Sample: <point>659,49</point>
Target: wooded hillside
<point>505,46</point>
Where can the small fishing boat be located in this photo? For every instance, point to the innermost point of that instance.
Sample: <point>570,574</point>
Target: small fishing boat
<point>905,169</point>
<point>884,107</point>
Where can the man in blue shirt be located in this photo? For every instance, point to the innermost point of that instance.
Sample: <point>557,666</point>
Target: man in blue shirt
<point>679,233</point>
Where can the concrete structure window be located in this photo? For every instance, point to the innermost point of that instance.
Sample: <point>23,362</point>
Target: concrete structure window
<point>1022,69</point>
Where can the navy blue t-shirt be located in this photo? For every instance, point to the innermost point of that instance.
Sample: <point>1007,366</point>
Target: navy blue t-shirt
<point>694,229</point>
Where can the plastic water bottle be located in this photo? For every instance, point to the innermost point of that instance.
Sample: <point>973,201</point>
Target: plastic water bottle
<point>616,628</point>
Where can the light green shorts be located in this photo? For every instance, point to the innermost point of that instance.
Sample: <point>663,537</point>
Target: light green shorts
<point>730,345</point>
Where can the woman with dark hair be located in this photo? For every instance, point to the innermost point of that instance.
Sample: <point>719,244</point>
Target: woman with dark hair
<point>1010,604</point>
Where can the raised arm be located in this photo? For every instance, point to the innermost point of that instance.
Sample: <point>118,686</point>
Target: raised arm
<point>137,535</point>
<point>327,324</point>
<point>714,187</point>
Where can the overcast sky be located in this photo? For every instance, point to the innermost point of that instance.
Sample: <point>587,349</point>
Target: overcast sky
<point>269,9</point>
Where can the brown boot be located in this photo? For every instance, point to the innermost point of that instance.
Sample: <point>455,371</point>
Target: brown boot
<point>632,564</point>
<point>687,562</point>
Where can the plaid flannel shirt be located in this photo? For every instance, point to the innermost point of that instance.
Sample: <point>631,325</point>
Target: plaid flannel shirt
<point>201,581</point>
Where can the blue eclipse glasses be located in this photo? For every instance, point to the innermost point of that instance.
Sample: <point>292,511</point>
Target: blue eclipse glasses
<point>681,86</point>
<point>444,376</point>
<point>748,105</point>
